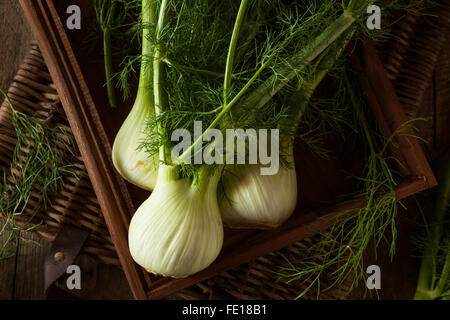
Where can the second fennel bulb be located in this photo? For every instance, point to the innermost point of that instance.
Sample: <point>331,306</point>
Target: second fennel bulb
<point>252,200</point>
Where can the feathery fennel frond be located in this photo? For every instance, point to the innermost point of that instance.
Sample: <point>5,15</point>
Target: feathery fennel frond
<point>41,160</point>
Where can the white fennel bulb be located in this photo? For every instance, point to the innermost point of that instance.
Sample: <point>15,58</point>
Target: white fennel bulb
<point>252,200</point>
<point>177,231</point>
<point>135,165</point>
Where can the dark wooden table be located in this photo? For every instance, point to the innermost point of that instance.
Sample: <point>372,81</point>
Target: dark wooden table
<point>21,277</point>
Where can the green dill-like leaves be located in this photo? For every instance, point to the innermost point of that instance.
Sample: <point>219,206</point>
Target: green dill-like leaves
<point>277,42</point>
<point>341,251</point>
<point>41,159</point>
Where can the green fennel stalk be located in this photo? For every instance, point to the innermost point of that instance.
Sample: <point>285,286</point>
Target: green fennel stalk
<point>158,72</point>
<point>111,18</point>
<point>232,49</point>
<point>106,14</point>
<point>434,277</point>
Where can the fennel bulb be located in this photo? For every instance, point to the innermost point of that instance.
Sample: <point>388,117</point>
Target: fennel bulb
<point>252,200</point>
<point>135,165</point>
<point>177,231</point>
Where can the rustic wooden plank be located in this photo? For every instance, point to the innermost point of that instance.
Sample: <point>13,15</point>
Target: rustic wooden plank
<point>29,281</point>
<point>15,39</point>
<point>98,281</point>
<point>7,274</point>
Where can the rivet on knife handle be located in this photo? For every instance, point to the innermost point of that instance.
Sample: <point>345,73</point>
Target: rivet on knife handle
<point>65,248</point>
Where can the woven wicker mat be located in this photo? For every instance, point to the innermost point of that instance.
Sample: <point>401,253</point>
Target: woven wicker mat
<point>410,60</point>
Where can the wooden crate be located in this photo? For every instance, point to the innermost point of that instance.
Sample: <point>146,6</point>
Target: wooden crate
<point>78,76</point>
